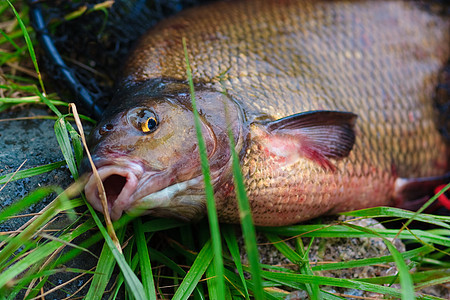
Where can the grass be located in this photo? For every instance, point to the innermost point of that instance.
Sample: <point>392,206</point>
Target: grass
<point>165,258</point>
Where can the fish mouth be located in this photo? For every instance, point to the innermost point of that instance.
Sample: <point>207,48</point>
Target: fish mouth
<point>120,183</point>
<point>184,200</point>
<point>132,189</point>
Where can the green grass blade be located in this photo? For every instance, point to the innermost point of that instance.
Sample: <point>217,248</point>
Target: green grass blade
<point>418,252</point>
<point>428,203</point>
<point>103,271</point>
<point>346,232</point>
<point>31,172</point>
<point>248,229</point>
<point>209,191</point>
<point>162,224</point>
<point>131,261</point>
<point>30,199</point>
<point>400,213</point>
<point>442,280</point>
<point>296,258</point>
<point>76,143</point>
<point>287,251</point>
<point>10,40</point>
<point>197,270</point>
<point>135,286</point>
<point>313,288</point>
<point>26,234</point>
<point>406,282</point>
<point>32,258</point>
<point>29,45</point>
<point>298,280</point>
<point>144,260</point>
<point>49,104</point>
<point>63,139</point>
<point>236,282</point>
<point>160,257</point>
<point>33,100</point>
<point>230,238</point>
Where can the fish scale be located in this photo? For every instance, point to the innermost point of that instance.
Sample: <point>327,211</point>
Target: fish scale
<point>377,59</point>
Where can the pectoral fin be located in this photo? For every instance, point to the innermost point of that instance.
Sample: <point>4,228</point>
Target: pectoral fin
<point>316,135</point>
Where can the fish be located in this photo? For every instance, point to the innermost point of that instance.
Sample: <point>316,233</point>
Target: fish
<point>331,105</point>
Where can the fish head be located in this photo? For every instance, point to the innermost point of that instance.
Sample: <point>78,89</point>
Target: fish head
<point>146,150</point>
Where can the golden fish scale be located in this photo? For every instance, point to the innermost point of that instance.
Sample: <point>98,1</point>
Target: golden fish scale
<point>377,59</point>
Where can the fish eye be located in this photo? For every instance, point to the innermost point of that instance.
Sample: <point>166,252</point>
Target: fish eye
<point>149,125</point>
<point>144,120</point>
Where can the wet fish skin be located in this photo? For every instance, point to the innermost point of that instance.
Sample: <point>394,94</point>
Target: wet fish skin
<point>378,60</point>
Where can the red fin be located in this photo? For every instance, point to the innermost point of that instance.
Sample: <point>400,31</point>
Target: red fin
<point>443,199</point>
<point>316,135</point>
<point>412,193</point>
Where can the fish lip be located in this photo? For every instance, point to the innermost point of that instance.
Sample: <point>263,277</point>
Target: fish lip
<point>131,171</point>
<point>162,196</point>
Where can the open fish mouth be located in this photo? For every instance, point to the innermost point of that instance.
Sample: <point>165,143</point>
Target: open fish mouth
<point>120,183</point>
<point>132,189</point>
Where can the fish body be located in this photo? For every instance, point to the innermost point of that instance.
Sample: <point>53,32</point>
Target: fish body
<point>330,104</point>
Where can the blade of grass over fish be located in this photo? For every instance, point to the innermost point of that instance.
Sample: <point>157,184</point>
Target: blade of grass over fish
<point>144,260</point>
<point>209,191</point>
<point>135,286</point>
<point>104,269</point>
<point>406,282</point>
<point>101,189</point>
<point>248,229</point>
<point>230,238</point>
<point>198,268</point>
<point>31,172</point>
<point>29,45</point>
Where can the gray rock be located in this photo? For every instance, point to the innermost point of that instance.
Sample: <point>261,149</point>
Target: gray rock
<point>34,142</point>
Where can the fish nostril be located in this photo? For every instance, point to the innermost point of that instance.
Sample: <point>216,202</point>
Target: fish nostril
<point>105,128</point>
